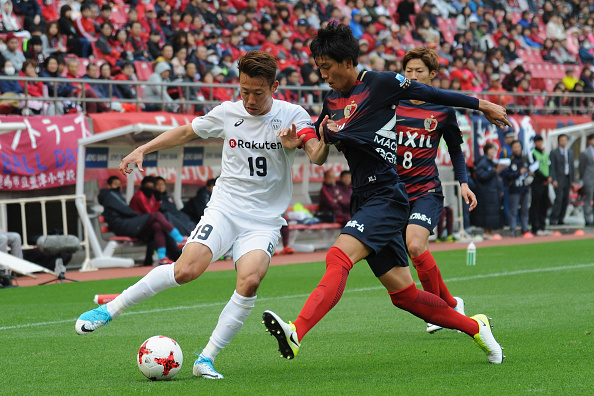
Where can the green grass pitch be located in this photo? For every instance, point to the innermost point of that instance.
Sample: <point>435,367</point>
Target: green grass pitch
<point>540,296</point>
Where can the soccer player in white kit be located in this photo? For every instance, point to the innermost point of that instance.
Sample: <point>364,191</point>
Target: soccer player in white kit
<point>245,211</point>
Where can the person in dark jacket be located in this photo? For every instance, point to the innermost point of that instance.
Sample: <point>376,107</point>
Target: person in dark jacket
<point>518,178</point>
<point>180,220</point>
<point>195,206</point>
<point>124,221</point>
<point>540,188</point>
<point>489,192</point>
<point>332,200</point>
<point>31,11</point>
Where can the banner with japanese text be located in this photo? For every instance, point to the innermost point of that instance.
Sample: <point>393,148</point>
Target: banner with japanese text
<point>43,154</point>
<point>107,121</point>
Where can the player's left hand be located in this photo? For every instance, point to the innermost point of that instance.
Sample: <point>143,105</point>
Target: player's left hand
<point>289,137</point>
<point>468,196</point>
<point>494,113</point>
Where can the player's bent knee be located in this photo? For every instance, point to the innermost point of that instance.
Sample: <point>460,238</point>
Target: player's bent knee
<point>416,248</point>
<point>187,271</point>
<point>248,285</point>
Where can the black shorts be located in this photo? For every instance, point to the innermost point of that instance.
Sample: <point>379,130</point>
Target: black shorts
<point>425,211</point>
<point>379,218</point>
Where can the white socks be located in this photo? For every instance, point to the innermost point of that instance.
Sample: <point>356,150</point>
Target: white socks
<point>160,278</point>
<point>230,322</point>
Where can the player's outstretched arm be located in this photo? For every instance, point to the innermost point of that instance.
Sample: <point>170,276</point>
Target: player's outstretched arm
<point>496,114</point>
<point>468,196</point>
<point>316,149</point>
<point>171,138</point>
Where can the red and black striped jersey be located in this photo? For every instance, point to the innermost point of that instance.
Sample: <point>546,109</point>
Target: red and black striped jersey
<point>366,119</point>
<point>419,129</point>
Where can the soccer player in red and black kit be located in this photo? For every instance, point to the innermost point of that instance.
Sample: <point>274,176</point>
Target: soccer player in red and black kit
<point>419,128</point>
<point>362,125</point>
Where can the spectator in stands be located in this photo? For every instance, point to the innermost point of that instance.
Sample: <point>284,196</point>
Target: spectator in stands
<point>518,179</point>
<point>587,79</point>
<point>344,184</point>
<point>50,70</point>
<point>52,41</point>
<point>585,55</point>
<point>84,24</point>
<point>356,25</point>
<point>405,9</point>
<point>332,199</point>
<point>195,206</point>
<point>547,48</point>
<point>93,74</point>
<point>77,45</point>
<point>127,73</point>
<point>191,76</point>
<point>586,169</point>
<point>11,86</point>
<point>121,43</point>
<point>35,89</point>
<point>139,46</point>
<point>505,150</point>
<point>84,90</point>
<point>31,11</point>
<point>13,240</point>
<point>179,62</point>
<point>8,22</point>
<point>12,52</point>
<point>534,38</point>
<point>489,190</point>
<point>511,81</point>
<point>104,15</point>
<point>166,55</point>
<point>180,220</point>
<point>123,221</point>
<point>34,50</point>
<point>539,188</point>
<point>570,80</point>
<point>562,173</point>
<point>523,102</point>
<point>461,73</point>
<point>559,54</point>
<point>104,45</point>
<point>144,200</point>
<point>554,28</point>
<point>155,97</point>
<point>154,45</point>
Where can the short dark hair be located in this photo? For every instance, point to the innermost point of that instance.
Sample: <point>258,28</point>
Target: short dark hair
<point>487,147</point>
<point>111,179</point>
<point>562,135</point>
<point>345,172</point>
<point>259,64</point>
<point>514,142</point>
<point>590,137</point>
<point>147,179</point>
<point>157,178</point>
<point>336,41</point>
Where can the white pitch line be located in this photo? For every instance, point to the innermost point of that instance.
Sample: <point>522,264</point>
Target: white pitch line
<point>465,278</point>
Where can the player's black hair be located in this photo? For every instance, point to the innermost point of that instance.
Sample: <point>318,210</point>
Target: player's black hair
<point>336,41</point>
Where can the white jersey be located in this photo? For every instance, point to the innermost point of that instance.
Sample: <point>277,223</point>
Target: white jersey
<point>255,180</point>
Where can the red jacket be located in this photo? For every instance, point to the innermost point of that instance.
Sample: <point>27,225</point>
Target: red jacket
<point>33,88</point>
<point>85,28</point>
<point>141,204</point>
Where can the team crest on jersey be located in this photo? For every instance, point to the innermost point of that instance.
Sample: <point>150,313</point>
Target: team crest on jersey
<point>430,124</point>
<point>276,124</point>
<point>350,109</point>
<point>404,82</point>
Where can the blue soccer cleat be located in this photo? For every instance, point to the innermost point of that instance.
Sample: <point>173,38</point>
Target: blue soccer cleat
<point>92,320</point>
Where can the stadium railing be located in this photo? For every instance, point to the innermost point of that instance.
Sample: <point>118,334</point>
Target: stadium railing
<point>42,201</point>
<point>309,97</point>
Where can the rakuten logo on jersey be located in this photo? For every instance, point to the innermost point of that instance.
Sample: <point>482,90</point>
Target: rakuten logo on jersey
<point>421,217</point>
<point>242,144</point>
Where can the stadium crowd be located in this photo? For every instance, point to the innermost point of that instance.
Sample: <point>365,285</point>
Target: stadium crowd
<point>489,47</point>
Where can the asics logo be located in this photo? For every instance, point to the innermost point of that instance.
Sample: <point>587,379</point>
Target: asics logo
<point>239,122</point>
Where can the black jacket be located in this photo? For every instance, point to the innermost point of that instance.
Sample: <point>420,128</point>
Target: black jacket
<point>122,220</point>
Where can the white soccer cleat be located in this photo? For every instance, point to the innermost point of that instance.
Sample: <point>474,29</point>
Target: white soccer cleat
<point>484,339</point>
<point>92,320</point>
<point>285,334</point>
<point>203,368</point>
<point>460,306</point>
<point>432,328</point>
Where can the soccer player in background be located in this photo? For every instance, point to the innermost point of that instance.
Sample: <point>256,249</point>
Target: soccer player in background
<point>245,211</point>
<point>422,125</point>
<point>362,110</point>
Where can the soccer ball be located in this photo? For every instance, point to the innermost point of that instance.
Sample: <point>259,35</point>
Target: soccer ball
<point>160,358</point>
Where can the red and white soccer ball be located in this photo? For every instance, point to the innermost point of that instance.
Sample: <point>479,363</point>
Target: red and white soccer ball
<point>160,358</point>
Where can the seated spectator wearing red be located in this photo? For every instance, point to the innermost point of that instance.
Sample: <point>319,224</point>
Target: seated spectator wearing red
<point>139,45</point>
<point>144,200</point>
<point>34,88</point>
<point>126,73</point>
<point>502,100</point>
<point>216,76</point>
<point>84,24</point>
<point>104,15</point>
<point>105,49</point>
<point>272,45</point>
<point>523,100</point>
<point>150,21</point>
<point>121,43</point>
<point>332,199</point>
<point>511,81</point>
<point>301,31</point>
<point>462,74</point>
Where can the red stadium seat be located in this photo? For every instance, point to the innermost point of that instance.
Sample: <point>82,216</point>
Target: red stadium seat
<point>144,69</point>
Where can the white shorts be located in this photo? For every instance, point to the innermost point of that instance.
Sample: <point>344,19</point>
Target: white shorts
<point>221,232</point>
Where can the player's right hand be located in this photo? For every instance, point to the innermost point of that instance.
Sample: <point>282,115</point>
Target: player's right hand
<point>134,158</point>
